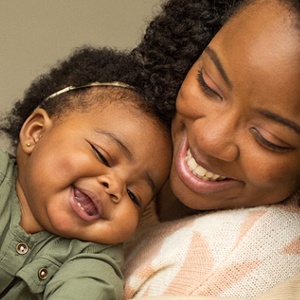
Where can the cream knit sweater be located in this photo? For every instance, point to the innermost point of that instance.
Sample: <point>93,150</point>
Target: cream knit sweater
<point>238,253</point>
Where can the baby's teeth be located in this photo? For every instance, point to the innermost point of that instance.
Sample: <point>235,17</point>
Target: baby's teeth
<point>79,204</point>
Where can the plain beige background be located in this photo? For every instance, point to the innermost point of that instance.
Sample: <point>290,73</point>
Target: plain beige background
<point>34,34</point>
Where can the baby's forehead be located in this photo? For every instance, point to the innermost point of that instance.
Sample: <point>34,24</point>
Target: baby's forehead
<point>112,95</point>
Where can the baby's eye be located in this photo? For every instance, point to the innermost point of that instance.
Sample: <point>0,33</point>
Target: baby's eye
<point>100,156</point>
<point>133,198</point>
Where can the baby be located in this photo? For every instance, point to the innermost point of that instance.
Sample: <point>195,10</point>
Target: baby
<point>91,154</point>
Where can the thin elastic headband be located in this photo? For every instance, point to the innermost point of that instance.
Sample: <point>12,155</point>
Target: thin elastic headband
<point>96,83</point>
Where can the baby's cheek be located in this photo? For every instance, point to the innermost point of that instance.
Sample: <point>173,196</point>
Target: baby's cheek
<point>129,226</point>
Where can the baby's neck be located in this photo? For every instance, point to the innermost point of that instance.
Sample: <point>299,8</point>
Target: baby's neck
<point>28,221</point>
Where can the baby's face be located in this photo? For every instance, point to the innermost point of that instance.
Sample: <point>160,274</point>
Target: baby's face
<point>90,175</point>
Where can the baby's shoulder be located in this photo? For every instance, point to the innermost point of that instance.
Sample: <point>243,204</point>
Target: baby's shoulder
<point>7,162</point>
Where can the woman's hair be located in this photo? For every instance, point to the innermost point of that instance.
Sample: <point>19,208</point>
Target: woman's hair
<point>175,39</point>
<point>84,66</point>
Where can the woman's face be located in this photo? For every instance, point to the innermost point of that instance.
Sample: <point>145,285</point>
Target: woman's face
<point>236,134</point>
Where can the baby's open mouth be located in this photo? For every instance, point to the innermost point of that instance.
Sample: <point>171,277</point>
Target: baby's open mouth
<point>85,203</point>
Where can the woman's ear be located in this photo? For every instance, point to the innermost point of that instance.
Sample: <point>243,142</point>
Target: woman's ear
<point>33,128</point>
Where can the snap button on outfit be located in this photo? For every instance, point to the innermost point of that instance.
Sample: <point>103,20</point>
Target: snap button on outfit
<point>43,273</point>
<point>22,248</point>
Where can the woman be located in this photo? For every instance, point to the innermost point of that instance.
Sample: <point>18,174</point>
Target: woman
<point>236,136</point>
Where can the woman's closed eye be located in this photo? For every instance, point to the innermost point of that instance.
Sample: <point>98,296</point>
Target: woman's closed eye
<point>267,144</point>
<point>206,88</point>
<point>100,156</point>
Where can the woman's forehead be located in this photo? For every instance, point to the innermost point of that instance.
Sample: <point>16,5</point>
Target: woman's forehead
<point>266,44</point>
<point>260,57</point>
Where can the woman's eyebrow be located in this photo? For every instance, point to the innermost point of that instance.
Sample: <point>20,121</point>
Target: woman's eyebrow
<point>214,57</point>
<point>291,124</point>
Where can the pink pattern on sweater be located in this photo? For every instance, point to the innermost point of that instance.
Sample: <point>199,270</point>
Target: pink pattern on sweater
<point>233,253</point>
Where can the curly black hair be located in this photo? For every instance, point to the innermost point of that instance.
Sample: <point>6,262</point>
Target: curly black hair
<point>156,67</point>
<point>173,42</point>
<point>175,39</point>
<point>83,66</point>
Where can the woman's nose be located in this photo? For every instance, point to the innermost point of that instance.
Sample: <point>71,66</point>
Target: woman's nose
<point>217,138</point>
<point>113,186</point>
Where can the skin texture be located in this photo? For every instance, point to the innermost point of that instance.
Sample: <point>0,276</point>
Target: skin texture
<point>238,112</point>
<point>95,157</point>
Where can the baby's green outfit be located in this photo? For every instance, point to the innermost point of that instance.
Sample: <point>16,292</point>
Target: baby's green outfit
<point>45,266</point>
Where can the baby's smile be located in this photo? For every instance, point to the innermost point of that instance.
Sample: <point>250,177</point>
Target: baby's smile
<point>85,203</point>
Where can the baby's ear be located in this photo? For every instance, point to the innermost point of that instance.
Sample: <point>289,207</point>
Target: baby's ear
<point>33,128</point>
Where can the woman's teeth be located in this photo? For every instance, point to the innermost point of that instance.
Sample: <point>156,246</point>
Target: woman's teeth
<point>199,171</point>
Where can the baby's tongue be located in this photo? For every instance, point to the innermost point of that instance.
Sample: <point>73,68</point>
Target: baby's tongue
<point>85,203</point>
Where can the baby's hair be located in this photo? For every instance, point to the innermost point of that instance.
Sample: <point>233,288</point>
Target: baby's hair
<point>84,66</point>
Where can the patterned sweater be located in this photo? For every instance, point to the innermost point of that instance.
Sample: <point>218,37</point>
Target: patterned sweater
<point>238,253</point>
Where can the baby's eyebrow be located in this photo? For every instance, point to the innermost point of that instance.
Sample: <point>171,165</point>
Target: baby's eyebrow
<point>118,142</point>
<point>128,154</point>
<point>279,119</point>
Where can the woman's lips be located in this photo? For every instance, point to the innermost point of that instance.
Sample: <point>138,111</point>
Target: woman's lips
<point>196,177</point>
<point>84,205</point>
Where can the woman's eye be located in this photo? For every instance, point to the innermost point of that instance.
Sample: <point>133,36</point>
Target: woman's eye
<point>265,143</point>
<point>100,156</point>
<point>205,87</point>
<point>133,198</point>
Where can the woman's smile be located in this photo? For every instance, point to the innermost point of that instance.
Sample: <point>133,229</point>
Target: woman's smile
<point>200,171</point>
<point>198,178</point>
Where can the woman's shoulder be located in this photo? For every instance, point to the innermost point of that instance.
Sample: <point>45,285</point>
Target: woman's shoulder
<point>233,222</point>
<point>217,253</point>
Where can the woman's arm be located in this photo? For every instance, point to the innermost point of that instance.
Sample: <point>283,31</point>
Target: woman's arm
<point>234,253</point>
